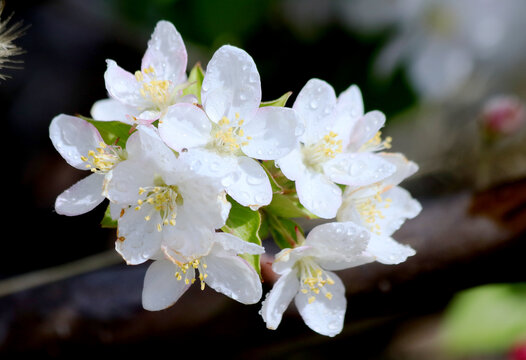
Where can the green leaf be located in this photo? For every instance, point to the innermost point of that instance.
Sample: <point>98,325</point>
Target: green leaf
<point>485,319</point>
<point>283,231</point>
<point>245,224</point>
<point>287,206</point>
<point>278,181</point>
<point>112,132</point>
<point>278,102</point>
<point>276,188</point>
<point>107,221</point>
<point>195,79</point>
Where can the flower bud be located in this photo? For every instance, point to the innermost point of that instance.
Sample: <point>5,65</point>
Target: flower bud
<point>503,115</point>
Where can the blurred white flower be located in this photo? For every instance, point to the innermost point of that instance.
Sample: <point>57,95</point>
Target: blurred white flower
<point>337,147</point>
<point>81,145</point>
<point>164,202</point>
<point>443,42</point>
<point>224,137</point>
<point>171,274</point>
<point>143,97</point>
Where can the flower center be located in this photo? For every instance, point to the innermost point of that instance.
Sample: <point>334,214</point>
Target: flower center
<point>313,280</point>
<point>370,209</point>
<point>376,143</point>
<point>228,136</point>
<point>159,92</point>
<point>196,264</point>
<point>325,149</point>
<point>163,199</point>
<point>104,158</point>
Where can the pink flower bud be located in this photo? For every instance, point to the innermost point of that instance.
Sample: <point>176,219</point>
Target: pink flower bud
<point>503,115</point>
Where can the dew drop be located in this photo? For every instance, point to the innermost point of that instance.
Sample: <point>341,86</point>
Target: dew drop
<point>255,180</point>
<point>195,165</point>
<point>356,168</point>
<point>253,78</point>
<point>215,166</point>
<point>313,104</point>
<point>242,97</point>
<point>259,198</point>
<point>300,129</point>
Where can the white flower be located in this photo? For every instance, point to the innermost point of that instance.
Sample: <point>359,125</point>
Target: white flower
<point>143,97</point>
<point>224,138</point>
<point>444,42</point>
<point>338,146</point>
<point>81,145</point>
<point>220,268</point>
<point>307,277</point>
<point>164,202</point>
<point>382,208</point>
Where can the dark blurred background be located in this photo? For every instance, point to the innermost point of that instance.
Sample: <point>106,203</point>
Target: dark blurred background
<point>66,45</point>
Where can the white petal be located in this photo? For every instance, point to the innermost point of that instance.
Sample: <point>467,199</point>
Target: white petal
<point>82,197</point>
<point>251,187</point>
<point>188,239</point>
<point>292,165</point>
<point>116,210</point>
<point>127,177</point>
<point>404,168</point>
<point>358,169</point>
<point>279,298</point>
<point>203,202</point>
<point>366,128</point>
<point>314,103</point>
<point>146,143</point>
<point>123,86</point>
<point>234,277</point>
<point>235,245</point>
<point>323,315</point>
<point>208,163</point>
<point>138,239</point>
<point>161,288</point>
<point>273,132</point>
<point>113,110</point>
<point>319,195</point>
<point>166,54</point>
<point>339,245</point>
<point>73,138</point>
<point>231,85</point>
<point>185,126</point>
<point>347,112</point>
<point>396,206</point>
<point>286,258</point>
<point>388,251</point>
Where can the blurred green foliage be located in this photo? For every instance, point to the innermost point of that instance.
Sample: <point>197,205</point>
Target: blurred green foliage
<point>486,319</point>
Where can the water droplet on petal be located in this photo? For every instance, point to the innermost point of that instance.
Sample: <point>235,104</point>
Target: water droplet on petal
<point>300,129</point>
<point>259,198</point>
<point>313,104</point>
<point>195,165</point>
<point>242,97</point>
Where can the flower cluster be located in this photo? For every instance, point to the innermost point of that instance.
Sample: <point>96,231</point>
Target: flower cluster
<point>197,170</point>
